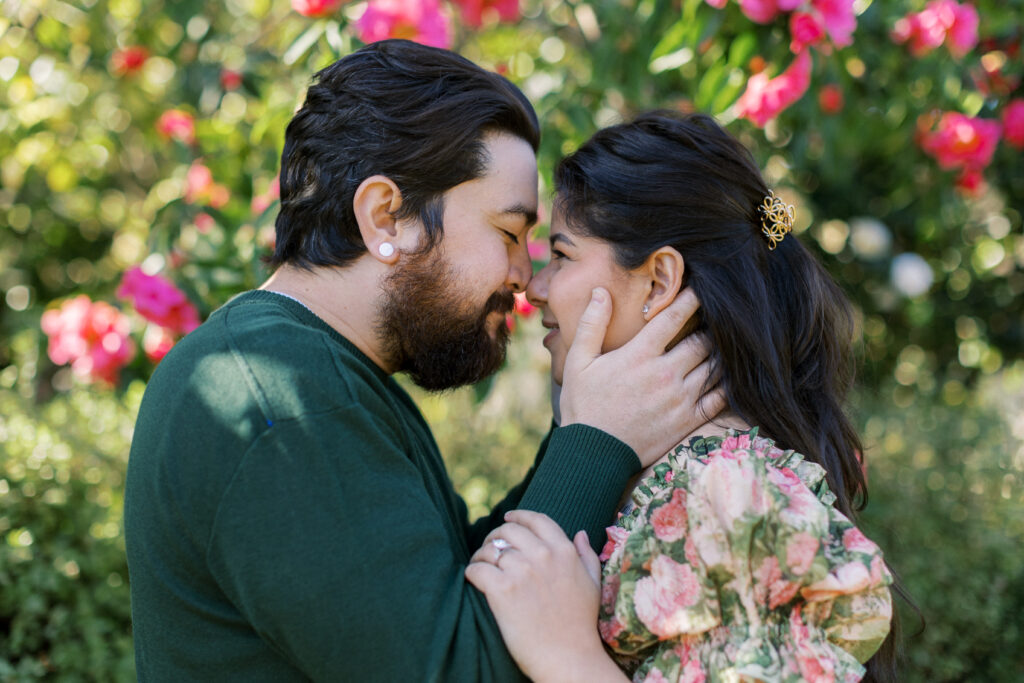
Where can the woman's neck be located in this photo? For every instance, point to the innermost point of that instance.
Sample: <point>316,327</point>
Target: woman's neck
<point>716,426</point>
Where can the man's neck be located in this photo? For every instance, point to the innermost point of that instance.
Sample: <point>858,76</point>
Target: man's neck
<point>344,298</point>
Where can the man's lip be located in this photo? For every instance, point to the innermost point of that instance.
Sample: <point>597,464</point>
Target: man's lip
<point>551,325</point>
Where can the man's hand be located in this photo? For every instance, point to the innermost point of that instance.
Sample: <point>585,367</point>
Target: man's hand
<point>643,395</point>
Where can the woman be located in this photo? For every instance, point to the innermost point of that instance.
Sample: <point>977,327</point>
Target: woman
<point>735,557</point>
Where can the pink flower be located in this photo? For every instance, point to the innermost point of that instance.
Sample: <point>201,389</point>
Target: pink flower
<point>962,35</point>
<point>262,202</point>
<point>839,20</point>
<point>200,187</point>
<point>316,8</point>
<point>230,79</point>
<point>760,11</point>
<point>159,301</point>
<point>475,11</point>
<point>524,307</point>
<point>204,222</point>
<point>156,342</point>
<point>662,598</point>
<point>961,141</point>
<point>422,21</point>
<point>941,21</point>
<point>1013,123</point>
<point>814,662</point>
<point>800,552</point>
<point>830,99</point>
<point>737,442</point>
<point>852,577</point>
<point>610,630</point>
<point>175,124</point>
<point>616,539</point>
<point>655,676</point>
<point>692,672</point>
<point>765,98</point>
<point>717,4</point>
<point>539,251</point>
<point>128,60</point>
<point>805,30</point>
<point>855,541</point>
<point>770,587</point>
<point>92,336</point>
<point>669,520</point>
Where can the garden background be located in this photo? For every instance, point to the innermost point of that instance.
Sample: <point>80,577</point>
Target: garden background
<point>139,146</point>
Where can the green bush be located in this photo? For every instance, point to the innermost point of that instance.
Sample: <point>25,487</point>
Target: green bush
<point>64,602</point>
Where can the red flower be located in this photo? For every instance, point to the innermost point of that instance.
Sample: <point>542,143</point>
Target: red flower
<point>474,11</point>
<point>316,8</point>
<point>970,182</point>
<point>422,21</point>
<point>230,80</point>
<point>156,342</point>
<point>765,98</point>
<point>830,99</point>
<point>159,301</point>
<point>838,19</point>
<point>92,336</point>
<point>128,60</point>
<point>175,124</point>
<point>200,187</point>
<point>805,29</point>
<point>961,141</point>
<point>1013,123</point>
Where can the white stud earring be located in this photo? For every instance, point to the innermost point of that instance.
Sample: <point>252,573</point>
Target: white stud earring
<point>646,309</point>
<point>386,249</point>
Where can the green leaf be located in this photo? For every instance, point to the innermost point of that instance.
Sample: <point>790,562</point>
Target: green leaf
<point>303,43</point>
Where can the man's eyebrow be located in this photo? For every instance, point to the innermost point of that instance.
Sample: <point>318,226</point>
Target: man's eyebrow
<point>561,237</point>
<point>529,215</point>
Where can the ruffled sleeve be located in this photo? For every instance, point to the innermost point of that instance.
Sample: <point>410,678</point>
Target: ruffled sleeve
<point>735,566</point>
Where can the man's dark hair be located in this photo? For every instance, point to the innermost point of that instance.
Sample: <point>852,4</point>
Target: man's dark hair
<point>413,113</point>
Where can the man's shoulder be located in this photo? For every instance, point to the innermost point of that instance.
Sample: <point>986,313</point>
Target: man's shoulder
<point>257,352</point>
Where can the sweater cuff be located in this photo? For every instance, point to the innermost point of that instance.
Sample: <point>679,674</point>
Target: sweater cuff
<point>580,480</point>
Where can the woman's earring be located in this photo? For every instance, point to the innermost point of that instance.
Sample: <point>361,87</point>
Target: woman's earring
<point>386,249</point>
<point>646,309</point>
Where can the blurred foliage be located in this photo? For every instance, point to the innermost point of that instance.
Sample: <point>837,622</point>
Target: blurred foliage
<point>89,187</point>
<point>64,602</point>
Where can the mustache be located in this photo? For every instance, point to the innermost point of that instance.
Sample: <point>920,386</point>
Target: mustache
<point>500,302</point>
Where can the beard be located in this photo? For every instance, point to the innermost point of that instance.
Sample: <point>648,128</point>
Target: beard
<point>427,330</point>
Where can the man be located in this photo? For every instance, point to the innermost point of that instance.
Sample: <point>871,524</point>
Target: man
<point>287,513</point>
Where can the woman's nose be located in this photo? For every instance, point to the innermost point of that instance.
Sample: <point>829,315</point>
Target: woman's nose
<point>537,291</point>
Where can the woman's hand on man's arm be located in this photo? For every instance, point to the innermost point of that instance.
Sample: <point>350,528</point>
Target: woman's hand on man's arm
<point>544,591</point>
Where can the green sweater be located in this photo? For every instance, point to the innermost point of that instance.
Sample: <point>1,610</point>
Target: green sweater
<point>288,515</point>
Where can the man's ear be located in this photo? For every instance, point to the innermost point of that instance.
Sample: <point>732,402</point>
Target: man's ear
<point>664,270</point>
<point>376,201</point>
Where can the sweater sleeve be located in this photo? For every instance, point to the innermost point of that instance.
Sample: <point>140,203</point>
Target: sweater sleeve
<point>479,529</point>
<point>580,479</point>
<point>329,543</point>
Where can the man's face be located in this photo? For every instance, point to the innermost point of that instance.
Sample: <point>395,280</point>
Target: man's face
<point>442,318</point>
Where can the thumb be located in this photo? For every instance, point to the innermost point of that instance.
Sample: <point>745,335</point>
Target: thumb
<point>587,555</point>
<point>590,332</point>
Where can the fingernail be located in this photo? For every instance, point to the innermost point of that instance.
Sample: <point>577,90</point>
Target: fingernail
<point>598,295</point>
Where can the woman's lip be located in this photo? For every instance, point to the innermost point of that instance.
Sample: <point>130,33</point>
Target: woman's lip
<point>549,336</point>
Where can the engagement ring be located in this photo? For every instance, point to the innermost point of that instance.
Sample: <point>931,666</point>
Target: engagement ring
<point>500,544</point>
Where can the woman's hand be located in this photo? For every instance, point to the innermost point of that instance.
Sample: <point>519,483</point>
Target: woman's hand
<point>545,592</point>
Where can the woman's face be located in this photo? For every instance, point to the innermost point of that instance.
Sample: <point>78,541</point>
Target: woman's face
<point>562,290</point>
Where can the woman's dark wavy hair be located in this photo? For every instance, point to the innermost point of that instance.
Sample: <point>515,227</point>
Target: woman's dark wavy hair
<point>781,329</point>
<point>413,113</point>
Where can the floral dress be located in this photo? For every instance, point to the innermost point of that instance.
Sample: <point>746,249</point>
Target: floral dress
<point>732,565</point>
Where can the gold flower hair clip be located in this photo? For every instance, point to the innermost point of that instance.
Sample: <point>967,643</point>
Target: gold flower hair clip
<point>776,219</point>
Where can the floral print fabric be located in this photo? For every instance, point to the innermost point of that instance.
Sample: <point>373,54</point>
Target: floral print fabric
<point>733,566</point>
